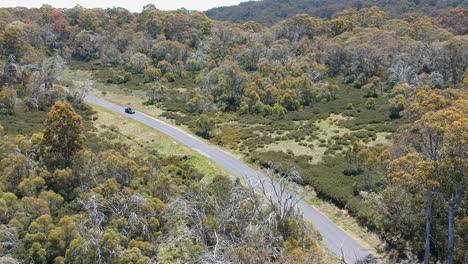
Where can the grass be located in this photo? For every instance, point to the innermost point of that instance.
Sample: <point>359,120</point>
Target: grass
<point>137,137</point>
<point>313,147</point>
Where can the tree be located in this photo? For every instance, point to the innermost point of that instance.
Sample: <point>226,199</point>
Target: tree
<point>436,80</point>
<point>14,169</point>
<point>151,22</point>
<point>403,72</point>
<point>452,126</point>
<point>15,41</point>
<point>226,84</point>
<point>85,46</point>
<point>7,101</point>
<point>88,19</point>
<point>454,58</point>
<point>370,17</point>
<point>298,27</point>
<point>397,105</point>
<point>416,176</point>
<point>155,92</point>
<point>278,111</point>
<point>248,57</point>
<point>171,51</point>
<point>139,62</point>
<point>205,126</point>
<point>454,20</point>
<point>425,29</point>
<point>152,74</point>
<point>372,87</point>
<point>63,135</point>
<point>10,71</point>
<point>338,26</point>
<point>52,69</point>
<point>427,137</point>
<point>432,160</point>
<point>370,103</point>
<point>289,100</point>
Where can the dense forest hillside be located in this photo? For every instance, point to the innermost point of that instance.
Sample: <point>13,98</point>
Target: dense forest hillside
<point>363,110</point>
<point>269,12</point>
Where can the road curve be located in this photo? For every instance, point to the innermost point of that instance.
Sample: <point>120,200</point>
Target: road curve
<point>340,243</point>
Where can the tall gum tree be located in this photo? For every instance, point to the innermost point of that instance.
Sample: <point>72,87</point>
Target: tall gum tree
<point>438,137</point>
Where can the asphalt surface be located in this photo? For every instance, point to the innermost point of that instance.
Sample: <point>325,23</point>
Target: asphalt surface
<point>340,243</point>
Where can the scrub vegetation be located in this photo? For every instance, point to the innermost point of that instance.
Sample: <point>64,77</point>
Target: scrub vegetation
<point>368,108</point>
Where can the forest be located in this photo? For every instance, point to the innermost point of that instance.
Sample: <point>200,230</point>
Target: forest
<point>269,12</point>
<point>366,105</point>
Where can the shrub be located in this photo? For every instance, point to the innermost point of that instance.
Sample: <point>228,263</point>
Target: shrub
<point>370,103</point>
<point>7,101</point>
<point>205,126</point>
<point>169,76</point>
<point>152,74</point>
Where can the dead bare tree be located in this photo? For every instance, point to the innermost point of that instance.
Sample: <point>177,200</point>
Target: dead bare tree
<point>282,202</point>
<point>403,72</point>
<point>226,217</point>
<point>9,239</point>
<point>241,219</point>
<point>94,227</point>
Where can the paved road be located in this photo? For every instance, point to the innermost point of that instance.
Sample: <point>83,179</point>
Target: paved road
<point>333,237</point>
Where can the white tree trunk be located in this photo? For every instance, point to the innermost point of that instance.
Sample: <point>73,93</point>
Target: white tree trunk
<point>451,218</point>
<point>427,252</point>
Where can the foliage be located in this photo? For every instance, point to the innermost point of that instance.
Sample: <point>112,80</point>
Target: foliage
<point>106,207</point>
<point>269,12</point>
<point>7,101</point>
<point>63,135</point>
<point>425,174</point>
<point>205,126</point>
<point>327,88</point>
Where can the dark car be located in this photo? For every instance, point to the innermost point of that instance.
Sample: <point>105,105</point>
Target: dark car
<point>129,110</point>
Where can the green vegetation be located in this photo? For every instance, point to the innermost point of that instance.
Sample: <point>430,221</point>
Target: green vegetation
<point>269,12</point>
<point>346,100</point>
<point>134,138</point>
<point>69,204</point>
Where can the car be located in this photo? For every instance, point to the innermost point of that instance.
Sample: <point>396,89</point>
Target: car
<point>129,110</point>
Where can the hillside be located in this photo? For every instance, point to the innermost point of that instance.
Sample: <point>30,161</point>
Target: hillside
<point>363,115</point>
<point>269,12</point>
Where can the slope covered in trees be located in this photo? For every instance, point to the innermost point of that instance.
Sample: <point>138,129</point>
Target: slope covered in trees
<point>269,12</point>
<point>367,110</point>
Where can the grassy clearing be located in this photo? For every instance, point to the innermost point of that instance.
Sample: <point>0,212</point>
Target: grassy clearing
<point>138,138</point>
<point>313,145</point>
